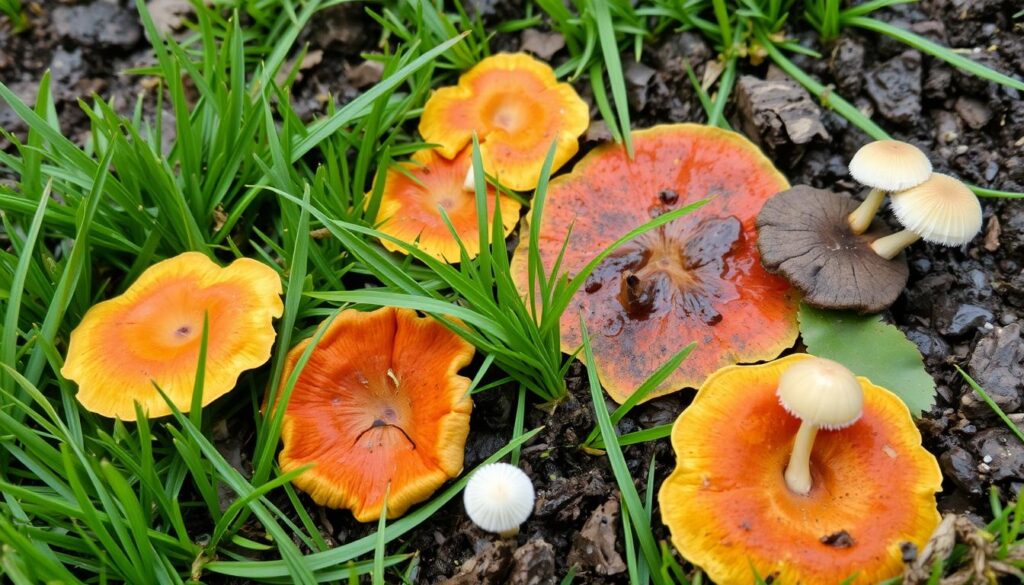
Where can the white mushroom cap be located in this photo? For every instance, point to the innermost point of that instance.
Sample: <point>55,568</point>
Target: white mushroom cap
<point>821,392</point>
<point>890,165</point>
<point>942,210</point>
<point>499,497</point>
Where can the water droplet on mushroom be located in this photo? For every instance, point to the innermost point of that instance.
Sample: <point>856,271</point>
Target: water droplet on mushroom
<point>668,196</point>
<point>362,378</point>
<point>335,401</point>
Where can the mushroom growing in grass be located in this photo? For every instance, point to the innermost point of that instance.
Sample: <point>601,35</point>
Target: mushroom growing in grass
<point>517,108</point>
<point>804,234</point>
<point>735,504</point>
<point>152,335</point>
<point>942,210</point>
<point>498,498</point>
<point>698,278</point>
<point>415,194</point>
<point>886,166</point>
<point>380,402</point>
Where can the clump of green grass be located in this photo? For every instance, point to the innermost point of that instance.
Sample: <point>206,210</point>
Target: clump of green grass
<point>479,299</point>
<point>15,14</point>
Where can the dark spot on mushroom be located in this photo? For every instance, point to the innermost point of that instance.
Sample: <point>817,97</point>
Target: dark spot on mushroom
<point>638,297</point>
<point>841,539</point>
<point>668,196</point>
<point>183,331</point>
<point>804,234</point>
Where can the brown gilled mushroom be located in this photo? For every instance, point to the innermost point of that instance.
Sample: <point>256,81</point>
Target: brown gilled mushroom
<point>804,234</point>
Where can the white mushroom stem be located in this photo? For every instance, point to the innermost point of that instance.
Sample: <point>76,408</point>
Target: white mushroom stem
<point>861,217</point>
<point>470,183</point>
<point>798,472</point>
<point>890,246</point>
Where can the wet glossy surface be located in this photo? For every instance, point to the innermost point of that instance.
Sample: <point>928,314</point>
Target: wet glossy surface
<point>698,278</point>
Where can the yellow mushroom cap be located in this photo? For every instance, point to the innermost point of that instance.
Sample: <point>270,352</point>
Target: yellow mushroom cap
<point>152,334</point>
<point>821,392</point>
<point>890,165</point>
<point>517,108</point>
<point>730,511</point>
<point>942,210</point>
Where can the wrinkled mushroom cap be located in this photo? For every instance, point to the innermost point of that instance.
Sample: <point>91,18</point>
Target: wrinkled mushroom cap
<point>942,210</point>
<point>803,233</point>
<point>730,512</point>
<point>379,403</point>
<point>699,278</point>
<point>152,333</point>
<point>517,108</point>
<point>890,165</point>
<point>821,392</point>
<point>413,197</point>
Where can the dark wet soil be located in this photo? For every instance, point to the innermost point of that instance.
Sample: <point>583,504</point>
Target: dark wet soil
<point>961,307</point>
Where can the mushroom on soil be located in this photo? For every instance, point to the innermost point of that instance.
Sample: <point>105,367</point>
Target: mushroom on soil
<point>698,278</point>
<point>885,166</point>
<point>517,108</point>
<point>942,210</point>
<point>152,334</point>
<point>414,195</point>
<point>498,498</point>
<point>731,511</point>
<point>803,234</point>
<point>379,403</point>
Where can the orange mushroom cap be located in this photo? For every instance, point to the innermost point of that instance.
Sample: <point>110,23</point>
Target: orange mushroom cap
<point>517,108</point>
<point>379,402</point>
<point>698,278</point>
<point>411,202</point>
<point>729,509</point>
<point>153,332</point>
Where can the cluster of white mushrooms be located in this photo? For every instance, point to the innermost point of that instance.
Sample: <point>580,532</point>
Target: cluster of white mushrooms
<point>930,206</point>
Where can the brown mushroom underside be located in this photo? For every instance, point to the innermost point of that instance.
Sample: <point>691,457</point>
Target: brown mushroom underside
<point>803,233</point>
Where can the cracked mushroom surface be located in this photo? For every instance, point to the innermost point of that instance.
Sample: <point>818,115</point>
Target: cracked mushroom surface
<point>698,278</point>
<point>380,402</point>
<point>152,334</point>
<point>804,234</point>
<point>729,508</point>
<point>517,107</point>
<point>413,197</point>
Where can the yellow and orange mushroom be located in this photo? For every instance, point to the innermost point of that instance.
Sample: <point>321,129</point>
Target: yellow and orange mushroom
<point>731,512</point>
<point>517,108</point>
<point>698,278</point>
<point>378,409</point>
<point>413,197</point>
<point>152,334</point>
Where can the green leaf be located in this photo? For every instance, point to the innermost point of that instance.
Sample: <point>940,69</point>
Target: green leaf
<point>870,348</point>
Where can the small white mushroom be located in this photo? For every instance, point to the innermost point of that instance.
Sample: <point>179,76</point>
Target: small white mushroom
<point>942,210</point>
<point>885,166</point>
<point>822,394</point>
<point>498,498</point>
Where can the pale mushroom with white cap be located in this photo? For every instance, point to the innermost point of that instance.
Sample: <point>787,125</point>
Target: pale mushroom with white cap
<point>822,394</point>
<point>498,498</point>
<point>886,166</point>
<point>942,210</point>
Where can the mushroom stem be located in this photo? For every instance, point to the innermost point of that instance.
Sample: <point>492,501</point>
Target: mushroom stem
<point>798,471</point>
<point>510,533</point>
<point>861,217</point>
<point>470,183</point>
<point>889,246</point>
